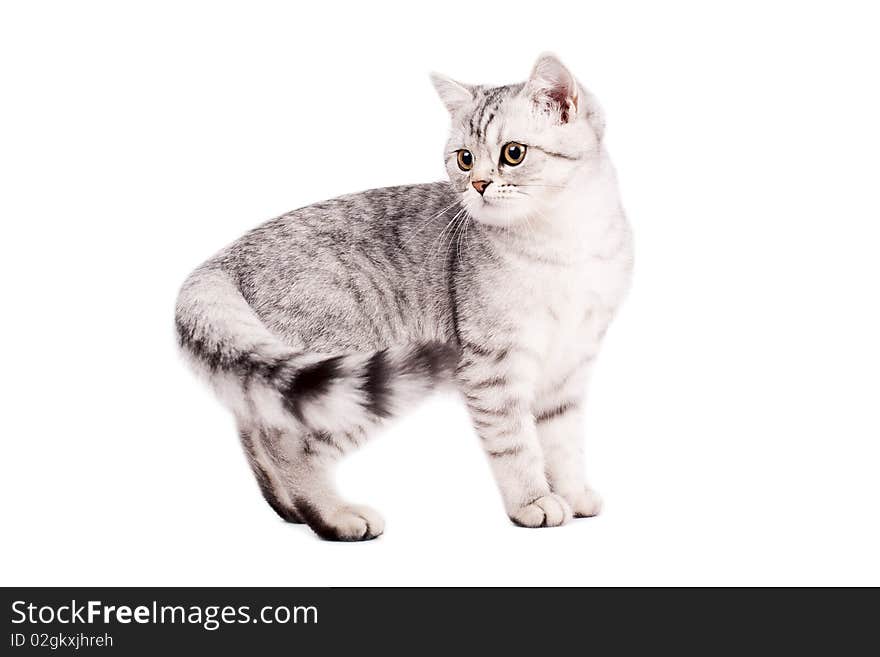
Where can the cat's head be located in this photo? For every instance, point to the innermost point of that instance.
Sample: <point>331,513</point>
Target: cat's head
<point>514,150</point>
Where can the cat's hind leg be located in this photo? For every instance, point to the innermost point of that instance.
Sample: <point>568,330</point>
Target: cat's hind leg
<point>312,493</point>
<point>268,462</point>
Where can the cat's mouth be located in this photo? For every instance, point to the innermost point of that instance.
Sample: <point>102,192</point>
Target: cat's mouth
<point>506,200</point>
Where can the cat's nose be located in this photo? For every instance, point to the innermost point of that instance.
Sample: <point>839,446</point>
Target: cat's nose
<point>481,185</point>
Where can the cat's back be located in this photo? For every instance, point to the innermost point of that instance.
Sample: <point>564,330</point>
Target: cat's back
<point>355,259</point>
<point>384,217</point>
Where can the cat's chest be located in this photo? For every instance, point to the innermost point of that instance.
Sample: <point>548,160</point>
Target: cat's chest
<point>566,306</point>
<point>567,309</point>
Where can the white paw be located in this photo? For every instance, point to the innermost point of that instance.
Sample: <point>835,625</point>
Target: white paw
<point>547,511</point>
<point>585,503</point>
<point>349,523</point>
<point>374,521</point>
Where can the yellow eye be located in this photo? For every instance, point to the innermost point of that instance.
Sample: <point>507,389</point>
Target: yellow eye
<point>465,160</point>
<point>513,153</point>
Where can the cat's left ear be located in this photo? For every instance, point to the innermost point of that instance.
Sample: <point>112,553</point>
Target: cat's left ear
<point>555,90</point>
<point>453,94</point>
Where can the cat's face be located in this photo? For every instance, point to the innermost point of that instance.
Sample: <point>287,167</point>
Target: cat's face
<point>514,150</point>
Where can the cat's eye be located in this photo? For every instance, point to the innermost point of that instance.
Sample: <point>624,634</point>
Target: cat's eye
<point>465,160</point>
<point>512,153</point>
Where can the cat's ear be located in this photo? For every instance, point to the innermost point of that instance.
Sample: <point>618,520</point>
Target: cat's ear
<point>453,94</point>
<point>553,88</point>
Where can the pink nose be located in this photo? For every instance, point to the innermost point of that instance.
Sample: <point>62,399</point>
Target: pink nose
<point>481,185</point>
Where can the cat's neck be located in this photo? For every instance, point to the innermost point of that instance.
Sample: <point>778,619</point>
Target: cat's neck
<point>580,216</point>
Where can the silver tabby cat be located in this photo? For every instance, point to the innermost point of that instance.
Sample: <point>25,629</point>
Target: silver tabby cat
<point>321,325</point>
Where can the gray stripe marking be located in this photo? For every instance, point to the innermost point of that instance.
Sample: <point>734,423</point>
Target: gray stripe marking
<point>564,156</point>
<point>510,451</point>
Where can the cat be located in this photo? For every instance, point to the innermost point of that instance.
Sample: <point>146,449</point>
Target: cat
<point>324,323</point>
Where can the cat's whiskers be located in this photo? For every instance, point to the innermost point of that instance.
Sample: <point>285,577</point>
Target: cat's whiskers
<point>427,221</point>
<point>467,234</point>
<point>439,240</point>
<point>462,220</point>
<point>465,224</point>
<point>452,223</point>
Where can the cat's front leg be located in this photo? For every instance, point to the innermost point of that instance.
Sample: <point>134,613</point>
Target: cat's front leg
<point>510,440</point>
<point>558,410</point>
<point>498,399</point>
<point>559,426</point>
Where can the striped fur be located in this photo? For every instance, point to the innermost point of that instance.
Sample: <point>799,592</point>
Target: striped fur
<point>320,325</point>
<point>318,392</point>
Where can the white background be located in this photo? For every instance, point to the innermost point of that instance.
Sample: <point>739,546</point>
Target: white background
<point>734,414</point>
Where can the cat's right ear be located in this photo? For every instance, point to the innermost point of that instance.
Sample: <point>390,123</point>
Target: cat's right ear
<point>453,94</point>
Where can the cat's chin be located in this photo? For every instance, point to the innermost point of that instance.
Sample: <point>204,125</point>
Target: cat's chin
<point>497,214</point>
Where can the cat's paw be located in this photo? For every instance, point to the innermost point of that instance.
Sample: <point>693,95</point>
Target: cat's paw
<point>348,523</point>
<point>546,511</point>
<point>585,503</point>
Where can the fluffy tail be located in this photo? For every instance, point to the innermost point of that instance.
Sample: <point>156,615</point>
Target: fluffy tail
<point>257,374</point>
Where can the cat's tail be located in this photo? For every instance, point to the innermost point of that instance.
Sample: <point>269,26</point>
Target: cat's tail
<point>255,373</point>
